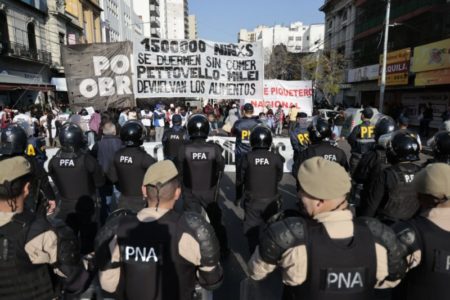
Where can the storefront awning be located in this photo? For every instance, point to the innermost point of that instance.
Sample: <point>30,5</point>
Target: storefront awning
<point>12,83</point>
<point>59,83</point>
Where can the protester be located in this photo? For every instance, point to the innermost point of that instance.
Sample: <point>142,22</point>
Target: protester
<point>279,120</point>
<point>159,116</point>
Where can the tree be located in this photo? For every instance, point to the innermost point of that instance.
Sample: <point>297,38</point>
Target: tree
<point>326,70</point>
<point>284,65</point>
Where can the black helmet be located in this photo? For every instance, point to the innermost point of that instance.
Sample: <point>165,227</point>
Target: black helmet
<point>176,119</point>
<point>248,107</point>
<point>132,133</point>
<point>403,147</point>
<point>198,126</point>
<point>71,137</point>
<point>320,131</point>
<point>13,140</point>
<point>383,126</point>
<point>261,137</point>
<point>441,146</point>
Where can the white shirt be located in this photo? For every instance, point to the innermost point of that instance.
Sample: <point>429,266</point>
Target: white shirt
<point>146,118</point>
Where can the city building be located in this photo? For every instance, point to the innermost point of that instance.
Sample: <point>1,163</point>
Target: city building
<point>87,12</point>
<point>298,38</point>
<point>419,34</point>
<point>167,19</point>
<point>193,33</point>
<point>25,54</point>
<point>340,18</point>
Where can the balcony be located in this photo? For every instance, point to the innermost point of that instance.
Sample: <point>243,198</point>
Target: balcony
<point>154,2</point>
<point>154,11</point>
<point>154,22</point>
<point>397,11</point>
<point>23,51</point>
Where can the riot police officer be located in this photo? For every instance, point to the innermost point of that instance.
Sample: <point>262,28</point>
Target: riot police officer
<point>13,142</point>
<point>320,137</point>
<point>173,138</point>
<point>361,139</point>
<point>332,256</point>
<point>441,147</point>
<point>427,237</point>
<point>262,171</point>
<point>129,166</point>
<point>76,175</point>
<point>32,249</point>
<point>391,194</point>
<point>201,165</point>
<point>242,130</point>
<point>299,135</point>
<point>158,253</point>
<point>373,161</point>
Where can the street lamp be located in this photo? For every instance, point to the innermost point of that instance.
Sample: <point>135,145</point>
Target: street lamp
<point>385,49</point>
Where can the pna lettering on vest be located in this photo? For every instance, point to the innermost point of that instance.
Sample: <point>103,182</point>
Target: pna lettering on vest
<point>141,254</point>
<point>345,279</point>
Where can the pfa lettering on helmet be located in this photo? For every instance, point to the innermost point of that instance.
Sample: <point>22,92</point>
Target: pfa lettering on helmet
<point>199,156</point>
<point>442,261</point>
<point>66,163</point>
<point>303,138</point>
<point>367,132</point>
<point>245,135</point>
<point>151,254</point>
<point>344,279</point>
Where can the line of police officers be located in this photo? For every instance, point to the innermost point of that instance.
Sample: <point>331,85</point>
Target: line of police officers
<point>151,250</point>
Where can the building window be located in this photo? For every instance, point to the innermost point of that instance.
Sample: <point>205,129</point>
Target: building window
<point>4,36</point>
<point>291,38</point>
<point>32,39</point>
<point>307,38</point>
<point>299,38</point>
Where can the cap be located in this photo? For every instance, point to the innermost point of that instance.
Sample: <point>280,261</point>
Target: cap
<point>14,168</point>
<point>403,121</point>
<point>176,119</point>
<point>160,173</point>
<point>323,179</point>
<point>248,107</point>
<point>302,115</point>
<point>233,105</point>
<point>367,112</point>
<point>434,180</point>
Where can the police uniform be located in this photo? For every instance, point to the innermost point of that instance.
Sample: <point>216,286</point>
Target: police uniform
<point>158,253</point>
<point>173,138</point>
<point>299,139</point>
<point>332,256</point>
<point>36,149</point>
<point>427,237</point>
<point>361,140</point>
<point>242,130</point>
<point>127,171</point>
<point>325,150</point>
<point>30,247</point>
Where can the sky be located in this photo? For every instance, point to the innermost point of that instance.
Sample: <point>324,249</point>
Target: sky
<point>221,20</point>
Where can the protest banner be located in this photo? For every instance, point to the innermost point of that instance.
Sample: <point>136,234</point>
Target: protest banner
<point>198,68</point>
<point>286,94</point>
<point>99,75</point>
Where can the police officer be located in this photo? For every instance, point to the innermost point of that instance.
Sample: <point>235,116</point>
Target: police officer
<point>320,137</point>
<point>242,130</point>
<point>427,237</point>
<point>299,135</point>
<point>441,147</point>
<point>173,138</point>
<point>158,253</point>
<point>391,195</point>
<point>76,175</point>
<point>361,139</point>
<point>13,142</point>
<point>201,165</point>
<point>262,171</point>
<point>31,249</point>
<point>373,161</point>
<point>332,256</point>
<point>129,166</point>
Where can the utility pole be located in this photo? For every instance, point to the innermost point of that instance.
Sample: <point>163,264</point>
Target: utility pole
<point>385,49</point>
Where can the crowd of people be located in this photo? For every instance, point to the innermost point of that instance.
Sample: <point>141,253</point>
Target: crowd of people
<point>372,226</point>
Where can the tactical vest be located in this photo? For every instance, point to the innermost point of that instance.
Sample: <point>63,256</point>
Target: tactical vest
<point>402,202</point>
<point>72,177</point>
<point>430,280</point>
<point>19,278</point>
<point>366,138</point>
<point>36,149</point>
<point>337,271</point>
<point>151,266</point>
<point>200,171</point>
<point>243,130</point>
<point>130,170</point>
<point>261,175</point>
<point>175,140</point>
